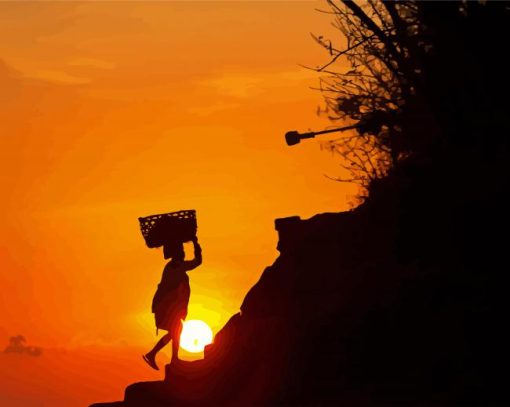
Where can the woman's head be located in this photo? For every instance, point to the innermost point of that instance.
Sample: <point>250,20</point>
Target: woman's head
<point>173,250</point>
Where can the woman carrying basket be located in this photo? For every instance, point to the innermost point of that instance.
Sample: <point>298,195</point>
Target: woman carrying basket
<point>170,303</point>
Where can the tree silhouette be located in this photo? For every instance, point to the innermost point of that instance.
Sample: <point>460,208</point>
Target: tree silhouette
<point>420,77</point>
<point>16,344</point>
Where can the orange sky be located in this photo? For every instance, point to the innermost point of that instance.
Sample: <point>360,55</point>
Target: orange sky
<point>111,111</point>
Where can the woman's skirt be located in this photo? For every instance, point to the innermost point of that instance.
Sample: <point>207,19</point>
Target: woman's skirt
<point>171,307</point>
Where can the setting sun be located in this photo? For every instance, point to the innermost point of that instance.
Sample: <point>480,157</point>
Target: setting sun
<point>195,336</point>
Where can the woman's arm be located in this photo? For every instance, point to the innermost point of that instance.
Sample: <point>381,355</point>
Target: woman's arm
<point>197,261</point>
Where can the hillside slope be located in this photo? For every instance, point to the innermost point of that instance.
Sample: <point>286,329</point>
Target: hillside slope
<point>399,301</point>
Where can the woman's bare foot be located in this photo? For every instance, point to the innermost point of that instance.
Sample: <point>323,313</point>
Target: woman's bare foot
<point>151,361</point>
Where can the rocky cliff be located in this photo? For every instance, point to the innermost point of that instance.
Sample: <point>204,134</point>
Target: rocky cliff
<point>399,301</point>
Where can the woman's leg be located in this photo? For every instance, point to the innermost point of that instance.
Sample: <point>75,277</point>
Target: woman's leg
<point>150,357</point>
<point>161,344</point>
<point>176,340</point>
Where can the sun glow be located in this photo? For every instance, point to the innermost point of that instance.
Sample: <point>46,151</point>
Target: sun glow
<point>195,336</point>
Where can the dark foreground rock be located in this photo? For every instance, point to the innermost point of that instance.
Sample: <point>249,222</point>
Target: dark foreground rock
<point>398,302</point>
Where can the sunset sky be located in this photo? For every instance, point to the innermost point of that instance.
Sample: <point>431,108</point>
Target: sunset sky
<point>112,110</point>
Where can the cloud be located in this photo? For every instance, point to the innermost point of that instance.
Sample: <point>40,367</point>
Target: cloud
<point>244,86</point>
<point>92,63</point>
<point>236,85</point>
<point>59,77</point>
<point>6,70</point>
<point>213,108</point>
<point>11,77</point>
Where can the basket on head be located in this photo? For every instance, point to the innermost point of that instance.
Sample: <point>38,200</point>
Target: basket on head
<point>173,227</point>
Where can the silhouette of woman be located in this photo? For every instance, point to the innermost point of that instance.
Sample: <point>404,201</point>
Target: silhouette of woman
<point>170,302</point>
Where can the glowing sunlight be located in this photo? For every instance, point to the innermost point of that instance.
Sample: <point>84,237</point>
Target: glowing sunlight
<point>195,336</point>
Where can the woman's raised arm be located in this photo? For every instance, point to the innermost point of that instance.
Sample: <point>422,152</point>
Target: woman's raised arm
<point>197,261</point>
